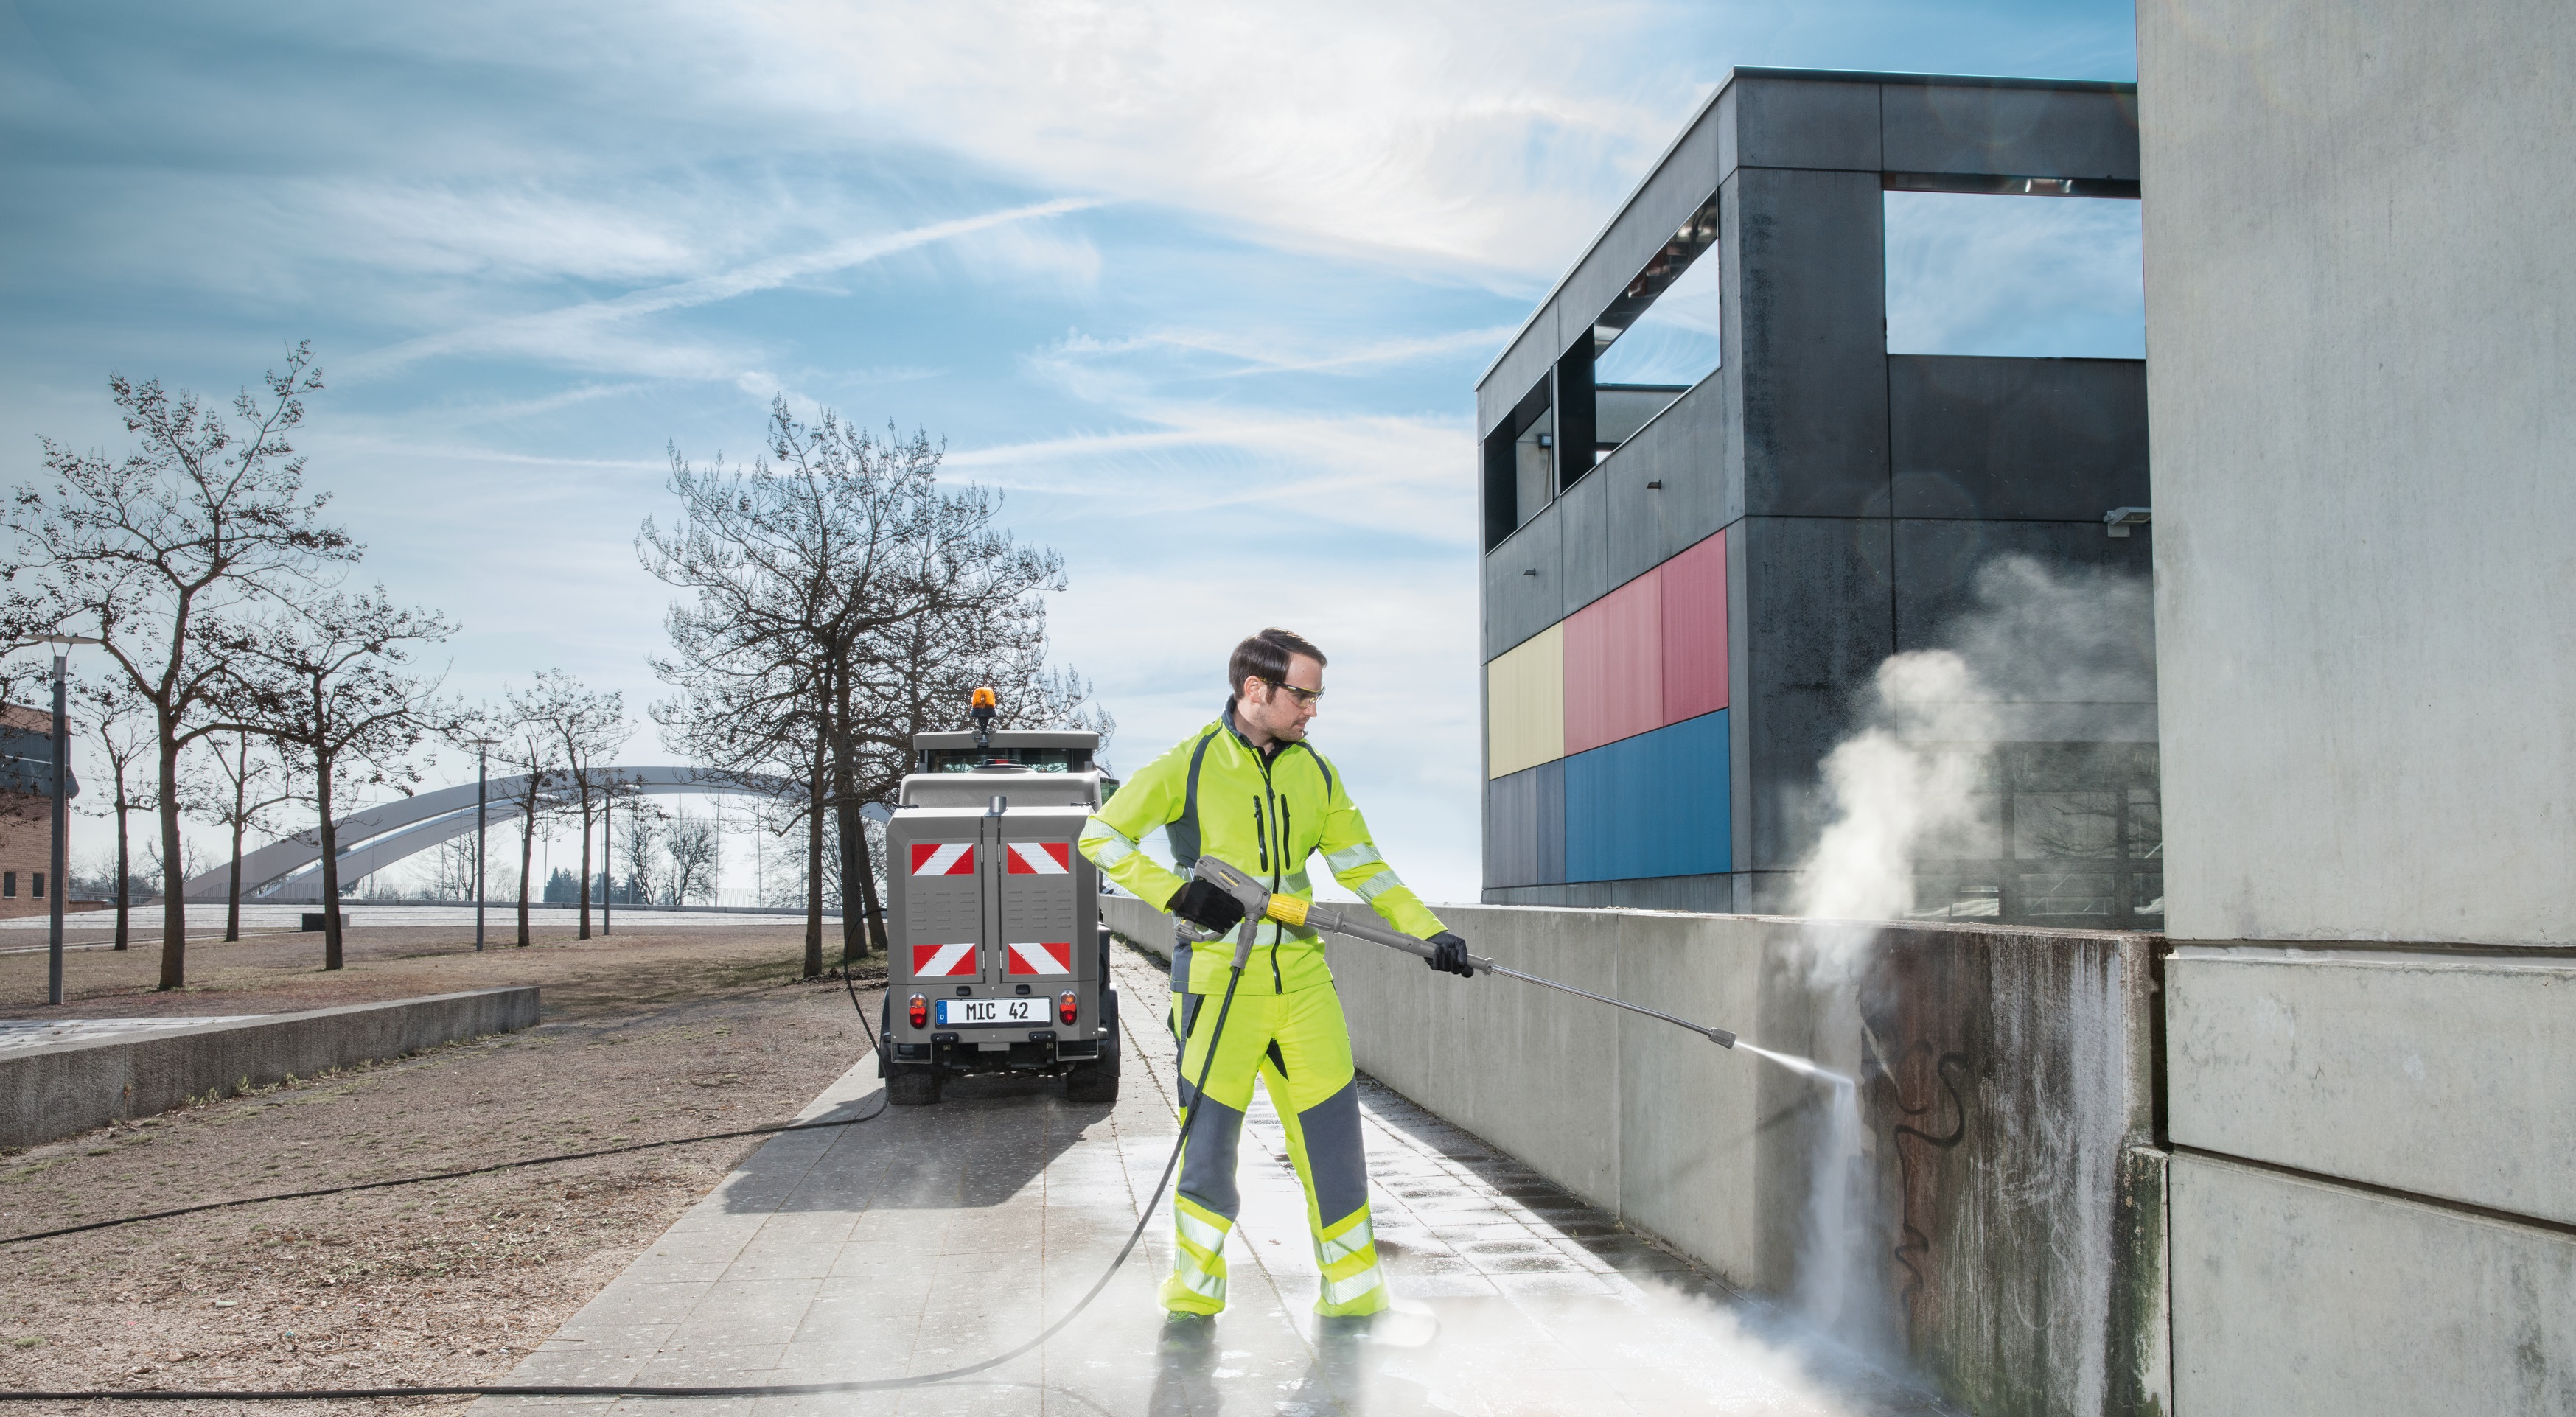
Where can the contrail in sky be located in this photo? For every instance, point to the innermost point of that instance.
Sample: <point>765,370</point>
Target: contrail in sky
<point>550,327</point>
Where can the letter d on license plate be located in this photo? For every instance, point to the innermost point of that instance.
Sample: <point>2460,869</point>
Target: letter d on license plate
<point>967,1013</point>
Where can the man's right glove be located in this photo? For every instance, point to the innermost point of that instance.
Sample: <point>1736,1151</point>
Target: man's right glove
<point>1449,955</point>
<point>1206,905</point>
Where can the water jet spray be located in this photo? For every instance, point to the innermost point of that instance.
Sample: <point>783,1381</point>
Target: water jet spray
<point>1361,923</point>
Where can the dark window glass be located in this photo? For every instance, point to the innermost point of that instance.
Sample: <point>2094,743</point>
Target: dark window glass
<point>39,879</point>
<point>1038,759</point>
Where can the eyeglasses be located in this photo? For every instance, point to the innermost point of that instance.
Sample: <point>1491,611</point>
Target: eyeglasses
<point>1304,696</point>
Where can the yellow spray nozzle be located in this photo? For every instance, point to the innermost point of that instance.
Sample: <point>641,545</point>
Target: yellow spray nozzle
<point>1286,909</point>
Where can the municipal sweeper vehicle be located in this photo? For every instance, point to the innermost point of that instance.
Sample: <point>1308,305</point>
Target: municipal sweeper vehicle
<point>999,962</point>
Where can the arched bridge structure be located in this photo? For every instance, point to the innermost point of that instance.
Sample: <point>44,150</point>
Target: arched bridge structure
<point>290,871</point>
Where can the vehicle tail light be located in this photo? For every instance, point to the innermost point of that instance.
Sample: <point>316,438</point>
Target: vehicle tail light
<point>1065,1005</point>
<point>918,1012</point>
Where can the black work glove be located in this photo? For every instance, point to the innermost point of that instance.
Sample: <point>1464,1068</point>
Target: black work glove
<point>1449,955</point>
<point>1206,905</point>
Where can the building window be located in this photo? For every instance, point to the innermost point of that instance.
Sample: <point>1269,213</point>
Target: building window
<point>9,884</point>
<point>1658,339</point>
<point>2006,275</point>
<point>1520,468</point>
<point>39,879</point>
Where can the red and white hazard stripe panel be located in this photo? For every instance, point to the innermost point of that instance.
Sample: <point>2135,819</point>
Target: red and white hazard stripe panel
<point>1041,959</point>
<point>945,961</point>
<point>1040,858</point>
<point>943,858</point>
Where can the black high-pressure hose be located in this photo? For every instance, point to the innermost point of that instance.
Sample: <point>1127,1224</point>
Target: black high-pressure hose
<point>1188,1116</point>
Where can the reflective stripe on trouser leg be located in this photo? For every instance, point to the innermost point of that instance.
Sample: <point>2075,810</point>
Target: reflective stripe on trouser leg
<point>1312,1085</point>
<point>1206,1201</point>
<point>1196,1284</point>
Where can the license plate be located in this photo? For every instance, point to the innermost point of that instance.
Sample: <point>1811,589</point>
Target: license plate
<point>968,1013</point>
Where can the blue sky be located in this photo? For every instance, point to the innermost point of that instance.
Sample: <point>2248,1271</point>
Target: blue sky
<point>1203,288</point>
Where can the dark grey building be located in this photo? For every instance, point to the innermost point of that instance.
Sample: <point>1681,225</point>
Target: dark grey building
<point>1686,586</point>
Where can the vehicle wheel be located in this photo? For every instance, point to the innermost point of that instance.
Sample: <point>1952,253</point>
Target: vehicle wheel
<point>1094,1082</point>
<point>913,1087</point>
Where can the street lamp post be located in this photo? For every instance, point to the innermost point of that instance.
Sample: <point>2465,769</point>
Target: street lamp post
<point>61,862</point>
<point>482,827</point>
<point>607,856</point>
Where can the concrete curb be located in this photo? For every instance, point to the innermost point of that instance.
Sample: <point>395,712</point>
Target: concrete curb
<point>47,1093</point>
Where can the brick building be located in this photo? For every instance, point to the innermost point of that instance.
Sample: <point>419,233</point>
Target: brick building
<point>26,810</point>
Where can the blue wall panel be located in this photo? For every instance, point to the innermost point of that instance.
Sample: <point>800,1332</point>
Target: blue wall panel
<point>1652,805</point>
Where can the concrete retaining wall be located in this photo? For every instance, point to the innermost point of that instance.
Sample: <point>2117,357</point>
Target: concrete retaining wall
<point>2011,1195</point>
<point>69,1088</point>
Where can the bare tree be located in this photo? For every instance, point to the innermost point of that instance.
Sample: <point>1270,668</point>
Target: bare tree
<point>637,852</point>
<point>194,527</point>
<point>587,726</point>
<point>326,679</point>
<point>802,574</point>
<point>121,723</point>
<point>694,846</point>
<point>251,783</point>
<point>451,870</point>
<point>527,747</point>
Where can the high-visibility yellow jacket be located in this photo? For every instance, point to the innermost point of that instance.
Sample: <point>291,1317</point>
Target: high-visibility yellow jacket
<point>1216,794</point>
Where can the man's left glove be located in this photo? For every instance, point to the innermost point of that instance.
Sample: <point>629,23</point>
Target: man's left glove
<point>1449,955</point>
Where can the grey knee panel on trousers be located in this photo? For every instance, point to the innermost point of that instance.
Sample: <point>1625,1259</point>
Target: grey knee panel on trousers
<point>1207,1165</point>
<point>1333,1154</point>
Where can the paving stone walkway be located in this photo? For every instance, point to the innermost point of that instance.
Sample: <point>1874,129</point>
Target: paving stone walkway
<point>936,1236</point>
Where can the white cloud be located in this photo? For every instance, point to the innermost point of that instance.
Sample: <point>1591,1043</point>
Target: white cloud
<point>1459,132</point>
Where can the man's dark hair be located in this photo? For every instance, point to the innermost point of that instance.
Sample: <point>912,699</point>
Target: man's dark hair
<point>1265,656</point>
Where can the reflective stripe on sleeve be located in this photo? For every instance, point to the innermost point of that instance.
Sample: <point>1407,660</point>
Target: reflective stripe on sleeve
<point>1379,885</point>
<point>1351,858</point>
<point>1105,844</point>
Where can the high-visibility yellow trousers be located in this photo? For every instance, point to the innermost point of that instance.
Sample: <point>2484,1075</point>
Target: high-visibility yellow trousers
<point>1300,1048</point>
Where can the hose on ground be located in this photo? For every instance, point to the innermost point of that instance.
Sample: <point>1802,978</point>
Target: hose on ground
<point>1189,1115</point>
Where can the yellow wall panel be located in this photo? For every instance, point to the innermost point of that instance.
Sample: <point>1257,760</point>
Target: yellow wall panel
<point>1525,704</point>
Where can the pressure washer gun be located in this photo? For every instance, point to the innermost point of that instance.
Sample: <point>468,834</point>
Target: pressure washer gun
<point>1358,922</point>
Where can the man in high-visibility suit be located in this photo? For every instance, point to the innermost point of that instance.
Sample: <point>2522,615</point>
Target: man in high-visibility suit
<point>1249,790</point>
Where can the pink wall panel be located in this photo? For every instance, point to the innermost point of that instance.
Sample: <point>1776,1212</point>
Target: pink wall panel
<point>1694,631</point>
<point>1614,682</point>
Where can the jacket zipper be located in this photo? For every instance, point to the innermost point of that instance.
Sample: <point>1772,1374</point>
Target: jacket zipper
<point>1273,864</point>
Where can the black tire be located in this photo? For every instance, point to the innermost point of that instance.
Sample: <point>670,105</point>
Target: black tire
<point>913,1086</point>
<point>1094,1082</point>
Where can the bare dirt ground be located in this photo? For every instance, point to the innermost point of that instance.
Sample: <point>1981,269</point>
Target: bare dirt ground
<point>648,1035</point>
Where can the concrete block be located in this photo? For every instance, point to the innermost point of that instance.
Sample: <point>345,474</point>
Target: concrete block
<point>1782,120</point>
<point>1585,531</point>
<point>1806,342</point>
<point>2358,305</point>
<point>1697,451</point>
<point>2036,439</point>
<point>2296,1295</point>
<point>1817,624</point>
<point>69,1088</point>
<point>1631,505</point>
<point>2009,131</point>
<point>2447,1077</point>
<point>1519,604</point>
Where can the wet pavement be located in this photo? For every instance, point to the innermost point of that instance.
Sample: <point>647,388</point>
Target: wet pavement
<point>935,1237</point>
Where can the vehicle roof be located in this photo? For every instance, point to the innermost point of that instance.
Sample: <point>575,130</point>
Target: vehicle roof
<point>1008,738</point>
